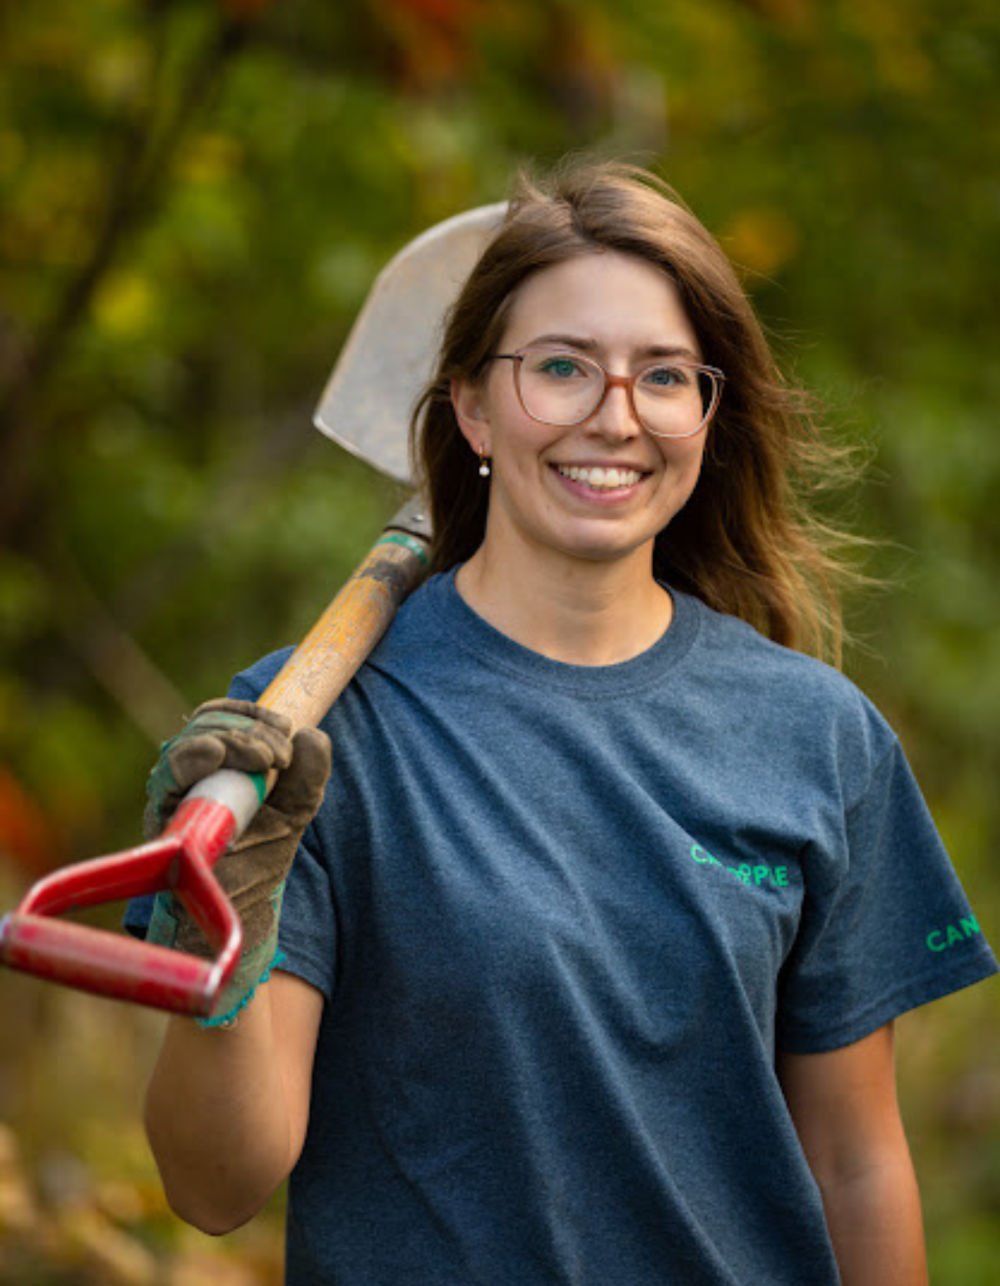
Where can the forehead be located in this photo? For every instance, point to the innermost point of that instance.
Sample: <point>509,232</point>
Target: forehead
<point>614,300</point>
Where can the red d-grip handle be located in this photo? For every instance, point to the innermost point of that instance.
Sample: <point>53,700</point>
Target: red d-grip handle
<point>112,964</point>
<point>109,964</point>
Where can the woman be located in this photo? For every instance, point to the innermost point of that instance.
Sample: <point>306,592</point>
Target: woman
<point>592,952</point>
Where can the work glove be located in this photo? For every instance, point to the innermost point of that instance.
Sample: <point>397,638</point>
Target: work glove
<point>236,734</point>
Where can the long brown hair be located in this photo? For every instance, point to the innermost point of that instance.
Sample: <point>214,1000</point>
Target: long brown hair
<point>745,543</point>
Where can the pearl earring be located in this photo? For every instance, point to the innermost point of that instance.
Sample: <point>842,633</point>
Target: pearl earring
<point>484,465</point>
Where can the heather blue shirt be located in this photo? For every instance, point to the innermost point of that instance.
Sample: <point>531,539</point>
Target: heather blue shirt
<point>563,917</point>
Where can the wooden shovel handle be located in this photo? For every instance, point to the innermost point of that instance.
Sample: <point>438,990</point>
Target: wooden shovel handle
<point>335,648</point>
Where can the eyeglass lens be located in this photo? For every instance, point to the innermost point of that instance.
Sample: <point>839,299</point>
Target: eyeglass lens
<point>671,399</point>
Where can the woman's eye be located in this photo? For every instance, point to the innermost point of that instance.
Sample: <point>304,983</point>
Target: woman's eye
<point>560,367</point>
<point>666,377</point>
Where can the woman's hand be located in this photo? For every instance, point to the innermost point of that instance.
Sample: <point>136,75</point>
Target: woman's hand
<point>240,735</point>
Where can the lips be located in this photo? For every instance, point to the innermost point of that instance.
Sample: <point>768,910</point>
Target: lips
<point>600,479</point>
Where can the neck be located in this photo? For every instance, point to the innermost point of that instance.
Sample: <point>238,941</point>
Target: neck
<point>572,610</point>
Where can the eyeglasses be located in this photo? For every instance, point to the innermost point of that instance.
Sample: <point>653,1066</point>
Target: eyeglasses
<point>674,399</point>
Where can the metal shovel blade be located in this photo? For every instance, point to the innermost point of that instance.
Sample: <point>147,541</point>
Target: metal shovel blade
<point>389,355</point>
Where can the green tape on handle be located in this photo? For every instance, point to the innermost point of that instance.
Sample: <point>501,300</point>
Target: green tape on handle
<point>408,542</point>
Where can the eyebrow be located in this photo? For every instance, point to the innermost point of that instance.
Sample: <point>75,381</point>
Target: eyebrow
<point>585,345</point>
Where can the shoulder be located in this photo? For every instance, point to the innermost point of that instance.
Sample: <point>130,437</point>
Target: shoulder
<point>796,701</point>
<point>418,623</point>
<point>251,682</point>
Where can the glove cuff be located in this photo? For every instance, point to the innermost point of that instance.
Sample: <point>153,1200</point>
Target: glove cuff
<point>253,968</point>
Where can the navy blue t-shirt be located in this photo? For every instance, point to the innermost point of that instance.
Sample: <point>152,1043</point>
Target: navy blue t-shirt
<point>563,917</point>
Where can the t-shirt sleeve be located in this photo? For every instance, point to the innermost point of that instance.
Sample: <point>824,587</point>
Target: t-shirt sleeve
<point>885,925</point>
<point>307,931</point>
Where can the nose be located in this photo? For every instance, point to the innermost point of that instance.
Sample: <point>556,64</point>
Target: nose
<point>614,418</point>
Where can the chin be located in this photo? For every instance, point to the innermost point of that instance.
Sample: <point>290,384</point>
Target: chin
<point>608,551</point>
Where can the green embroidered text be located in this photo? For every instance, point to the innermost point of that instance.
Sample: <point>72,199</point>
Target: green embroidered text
<point>769,876</point>
<point>952,934</point>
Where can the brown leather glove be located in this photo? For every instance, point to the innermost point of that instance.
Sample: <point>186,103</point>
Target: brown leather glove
<point>229,733</point>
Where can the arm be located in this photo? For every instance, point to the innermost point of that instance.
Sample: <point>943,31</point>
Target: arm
<point>227,1109</point>
<point>227,1106</point>
<point>844,1107</point>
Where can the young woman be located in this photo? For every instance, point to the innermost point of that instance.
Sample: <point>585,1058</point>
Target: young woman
<point>590,956</point>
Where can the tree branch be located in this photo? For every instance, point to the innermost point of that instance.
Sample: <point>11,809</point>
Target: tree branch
<point>113,657</point>
<point>136,184</point>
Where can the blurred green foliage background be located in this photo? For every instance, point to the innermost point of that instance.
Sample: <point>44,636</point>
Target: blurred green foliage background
<point>194,199</point>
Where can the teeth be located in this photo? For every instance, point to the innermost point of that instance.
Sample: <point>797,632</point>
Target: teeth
<point>601,479</point>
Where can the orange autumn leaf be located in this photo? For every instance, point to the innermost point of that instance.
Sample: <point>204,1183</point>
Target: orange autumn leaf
<point>27,837</point>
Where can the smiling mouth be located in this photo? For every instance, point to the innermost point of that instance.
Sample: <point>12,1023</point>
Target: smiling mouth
<point>600,479</point>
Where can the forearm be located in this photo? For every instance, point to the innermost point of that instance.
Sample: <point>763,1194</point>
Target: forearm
<point>218,1120</point>
<point>876,1225</point>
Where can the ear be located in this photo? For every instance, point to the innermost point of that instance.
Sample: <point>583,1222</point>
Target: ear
<point>471,412</point>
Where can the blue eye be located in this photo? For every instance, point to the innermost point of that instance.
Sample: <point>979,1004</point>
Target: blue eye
<point>667,377</point>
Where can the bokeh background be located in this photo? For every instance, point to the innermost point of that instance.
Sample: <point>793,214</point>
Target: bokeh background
<point>194,199</point>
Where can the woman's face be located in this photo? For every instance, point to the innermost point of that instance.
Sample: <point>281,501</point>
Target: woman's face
<point>625,314</point>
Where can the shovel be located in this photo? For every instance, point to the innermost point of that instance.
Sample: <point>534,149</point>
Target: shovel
<point>366,407</point>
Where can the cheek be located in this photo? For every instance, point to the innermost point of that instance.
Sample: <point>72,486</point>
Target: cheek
<point>517,439</point>
<point>684,457</point>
